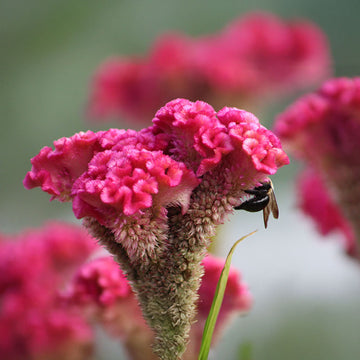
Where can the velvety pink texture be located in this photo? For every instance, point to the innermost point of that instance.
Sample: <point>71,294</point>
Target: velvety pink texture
<point>128,181</point>
<point>55,170</point>
<point>230,138</point>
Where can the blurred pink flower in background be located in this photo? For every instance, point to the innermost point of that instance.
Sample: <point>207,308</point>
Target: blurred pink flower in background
<point>100,290</point>
<point>323,130</point>
<point>256,58</point>
<point>315,201</point>
<point>34,266</point>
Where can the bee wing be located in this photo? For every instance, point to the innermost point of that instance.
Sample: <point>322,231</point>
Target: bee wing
<point>266,213</point>
<point>273,205</point>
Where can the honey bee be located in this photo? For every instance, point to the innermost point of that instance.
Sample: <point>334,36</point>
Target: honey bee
<point>264,199</point>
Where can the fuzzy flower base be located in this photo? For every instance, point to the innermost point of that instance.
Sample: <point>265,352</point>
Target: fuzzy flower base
<point>323,130</point>
<point>155,197</point>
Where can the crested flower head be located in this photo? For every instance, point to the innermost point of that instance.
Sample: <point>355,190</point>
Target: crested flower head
<point>100,290</point>
<point>237,298</point>
<point>33,330</point>
<point>196,135</point>
<point>154,197</point>
<point>117,173</point>
<point>330,117</point>
<point>120,85</point>
<point>55,249</point>
<point>323,129</point>
<point>56,170</point>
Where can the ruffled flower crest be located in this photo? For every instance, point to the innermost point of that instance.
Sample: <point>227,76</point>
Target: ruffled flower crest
<point>55,170</point>
<point>122,183</point>
<point>230,145</point>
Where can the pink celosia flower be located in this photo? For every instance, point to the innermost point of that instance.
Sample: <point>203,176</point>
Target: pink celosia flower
<point>323,129</point>
<point>256,56</point>
<point>316,202</point>
<point>34,266</point>
<point>154,197</point>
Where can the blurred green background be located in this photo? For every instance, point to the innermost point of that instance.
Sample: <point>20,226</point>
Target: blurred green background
<point>306,291</point>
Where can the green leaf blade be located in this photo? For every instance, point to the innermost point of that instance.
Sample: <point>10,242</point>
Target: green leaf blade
<point>217,301</point>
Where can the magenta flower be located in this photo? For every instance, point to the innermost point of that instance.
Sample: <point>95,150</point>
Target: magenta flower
<point>120,85</point>
<point>316,202</point>
<point>277,55</point>
<point>154,198</point>
<point>322,129</point>
<point>34,266</point>
<point>255,57</point>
